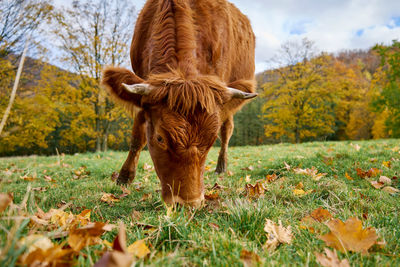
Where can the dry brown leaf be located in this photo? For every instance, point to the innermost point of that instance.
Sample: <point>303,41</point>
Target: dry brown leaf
<point>331,259</point>
<point>349,236</point>
<point>385,180</point>
<point>5,201</point>
<point>29,178</point>
<point>39,189</point>
<point>255,191</point>
<point>136,215</point>
<point>321,215</point>
<point>53,256</point>
<point>86,236</point>
<point>249,258</point>
<point>271,177</point>
<point>229,173</point>
<point>390,190</point>
<point>377,185</point>
<point>277,234</point>
<point>211,195</point>
<point>370,173</point>
<point>109,198</point>
<point>287,166</point>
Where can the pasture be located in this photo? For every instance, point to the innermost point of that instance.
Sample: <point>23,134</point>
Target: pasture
<point>229,229</point>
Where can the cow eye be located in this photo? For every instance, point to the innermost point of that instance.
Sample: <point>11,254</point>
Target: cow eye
<point>160,139</point>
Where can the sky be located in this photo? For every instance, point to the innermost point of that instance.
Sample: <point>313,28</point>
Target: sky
<point>333,25</point>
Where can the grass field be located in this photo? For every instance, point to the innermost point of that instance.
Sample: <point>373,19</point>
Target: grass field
<point>217,234</point>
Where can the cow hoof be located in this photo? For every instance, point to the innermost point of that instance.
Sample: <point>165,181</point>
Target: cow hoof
<point>125,177</point>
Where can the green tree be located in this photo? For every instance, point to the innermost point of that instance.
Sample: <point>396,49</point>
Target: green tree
<point>387,98</point>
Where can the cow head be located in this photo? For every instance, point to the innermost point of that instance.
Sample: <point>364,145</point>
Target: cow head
<point>183,118</point>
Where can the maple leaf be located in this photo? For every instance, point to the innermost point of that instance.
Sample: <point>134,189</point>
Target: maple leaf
<point>277,234</point>
<point>271,177</point>
<point>331,259</point>
<point>86,236</point>
<point>255,191</point>
<point>109,198</point>
<point>349,236</point>
<point>316,216</point>
<point>5,201</point>
<point>249,258</point>
<point>138,249</point>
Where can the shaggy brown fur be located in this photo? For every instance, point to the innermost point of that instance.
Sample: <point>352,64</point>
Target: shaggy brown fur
<point>188,51</point>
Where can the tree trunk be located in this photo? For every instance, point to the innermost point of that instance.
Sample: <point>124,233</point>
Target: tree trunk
<point>14,90</point>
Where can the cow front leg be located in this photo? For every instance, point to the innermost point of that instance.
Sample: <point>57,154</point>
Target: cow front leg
<point>138,141</point>
<point>226,133</point>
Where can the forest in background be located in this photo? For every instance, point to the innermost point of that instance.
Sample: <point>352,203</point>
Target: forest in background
<point>308,95</point>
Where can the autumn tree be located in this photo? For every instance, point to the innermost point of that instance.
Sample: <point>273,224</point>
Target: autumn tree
<point>93,34</point>
<point>387,87</point>
<point>18,19</point>
<point>298,104</point>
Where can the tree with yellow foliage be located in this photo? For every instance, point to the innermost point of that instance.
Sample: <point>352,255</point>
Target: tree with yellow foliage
<point>299,105</point>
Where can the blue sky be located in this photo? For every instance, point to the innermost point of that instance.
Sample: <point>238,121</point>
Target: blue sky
<point>334,25</point>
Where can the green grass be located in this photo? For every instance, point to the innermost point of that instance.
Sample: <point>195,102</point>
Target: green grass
<point>186,238</point>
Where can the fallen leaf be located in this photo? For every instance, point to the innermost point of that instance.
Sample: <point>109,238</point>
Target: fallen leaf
<point>301,192</point>
<point>313,172</point>
<point>331,259</point>
<point>85,236</point>
<point>217,186</point>
<point>211,195</point>
<point>229,173</point>
<point>370,173</point>
<point>247,178</point>
<point>29,178</point>
<point>40,189</point>
<point>276,234</point>
<point>349,236</point>
<point>385,180</point>
<point>49,179</point>
<point>109,198</point>
<point>55,255</point>
<point>387,164</point>
<point>377,185</point>
<point>321,215</point>
<point>287,166</point>
<point>390,190</point>
<point>348,177</point>
<point>249,258</point>
<point>5,201</point>
<point>138,249</point>
<point>255,191</point>
<point>271,177</point>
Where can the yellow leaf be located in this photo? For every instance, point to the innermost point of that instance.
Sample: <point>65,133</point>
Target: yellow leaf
<point>138,249</point>
<point>349,236</point>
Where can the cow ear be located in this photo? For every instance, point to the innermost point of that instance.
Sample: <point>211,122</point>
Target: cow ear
<point>114,81</point>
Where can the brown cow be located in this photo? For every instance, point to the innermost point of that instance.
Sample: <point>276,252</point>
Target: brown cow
<point>194,66</point>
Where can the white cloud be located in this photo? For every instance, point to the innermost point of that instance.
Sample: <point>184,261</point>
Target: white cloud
<point>332,24</point>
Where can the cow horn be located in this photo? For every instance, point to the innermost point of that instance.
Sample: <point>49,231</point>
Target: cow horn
<point>240,94</point>
<point>139,88</point>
